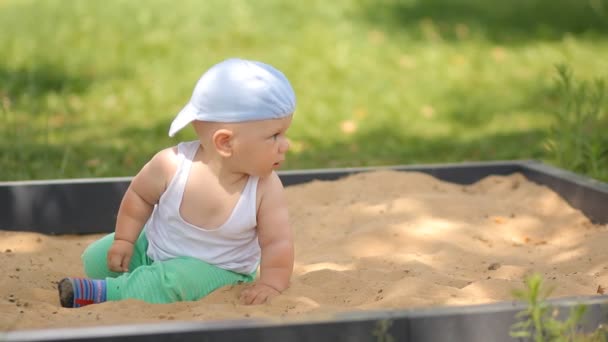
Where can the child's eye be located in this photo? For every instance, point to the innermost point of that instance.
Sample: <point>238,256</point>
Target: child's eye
<point>275,136</point>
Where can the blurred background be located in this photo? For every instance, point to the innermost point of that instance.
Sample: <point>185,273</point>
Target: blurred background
<point>89,88</point>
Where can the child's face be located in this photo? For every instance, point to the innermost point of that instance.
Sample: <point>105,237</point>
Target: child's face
<point>260,146</point>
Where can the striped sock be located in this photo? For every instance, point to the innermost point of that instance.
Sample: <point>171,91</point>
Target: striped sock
<point>84,291</point>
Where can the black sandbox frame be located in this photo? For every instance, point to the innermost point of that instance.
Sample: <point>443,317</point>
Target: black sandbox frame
<point>63,207</point>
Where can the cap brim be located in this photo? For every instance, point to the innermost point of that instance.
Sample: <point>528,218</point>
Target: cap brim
<point>183,118</point>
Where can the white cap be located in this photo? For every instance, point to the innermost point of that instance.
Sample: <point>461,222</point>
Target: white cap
<point>238,90</point>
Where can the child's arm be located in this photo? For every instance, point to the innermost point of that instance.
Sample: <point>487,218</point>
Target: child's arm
<point>276,242</point>
<point>137,205</point>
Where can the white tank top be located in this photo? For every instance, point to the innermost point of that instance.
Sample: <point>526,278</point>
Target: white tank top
<point>232,246</point>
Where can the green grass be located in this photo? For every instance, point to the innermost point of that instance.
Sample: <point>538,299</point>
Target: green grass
<point>578,138</point>
<point>540,321</point>
<point>89,88</point>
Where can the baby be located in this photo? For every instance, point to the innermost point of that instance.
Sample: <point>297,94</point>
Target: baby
<point>205,213</point>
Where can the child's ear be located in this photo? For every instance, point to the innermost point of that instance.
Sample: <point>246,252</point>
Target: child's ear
<point>222,140</point>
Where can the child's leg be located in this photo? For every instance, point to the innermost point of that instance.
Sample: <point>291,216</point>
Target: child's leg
<point>76,292</point>
<point>95,259</point>
<point>181,279</point>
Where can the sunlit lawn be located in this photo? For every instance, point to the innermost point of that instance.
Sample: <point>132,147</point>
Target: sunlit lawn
<point>89,88</point>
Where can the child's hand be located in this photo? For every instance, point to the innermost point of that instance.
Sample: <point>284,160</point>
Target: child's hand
<point>119,256</point>
<point>258,293</point>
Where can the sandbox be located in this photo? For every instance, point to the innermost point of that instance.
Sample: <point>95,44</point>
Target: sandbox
<point>411,268</point>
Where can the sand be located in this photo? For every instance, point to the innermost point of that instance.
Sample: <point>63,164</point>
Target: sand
<point>372,241</point>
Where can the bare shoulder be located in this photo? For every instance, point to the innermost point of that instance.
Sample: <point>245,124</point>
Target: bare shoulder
<point>154,177</point>
<point>270,185</point>
<point>271,193</point>
<point>273,216</point>
<point>165,161</point>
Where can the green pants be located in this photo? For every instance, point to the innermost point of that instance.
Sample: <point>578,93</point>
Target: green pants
<point>179,279</point>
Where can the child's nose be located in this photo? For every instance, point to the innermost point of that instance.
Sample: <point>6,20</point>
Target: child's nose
<point>284,145</point>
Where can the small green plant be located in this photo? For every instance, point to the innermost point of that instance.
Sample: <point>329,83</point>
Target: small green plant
<point>538,321</point>
<point>578,139</point>
<point>381,331</point>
